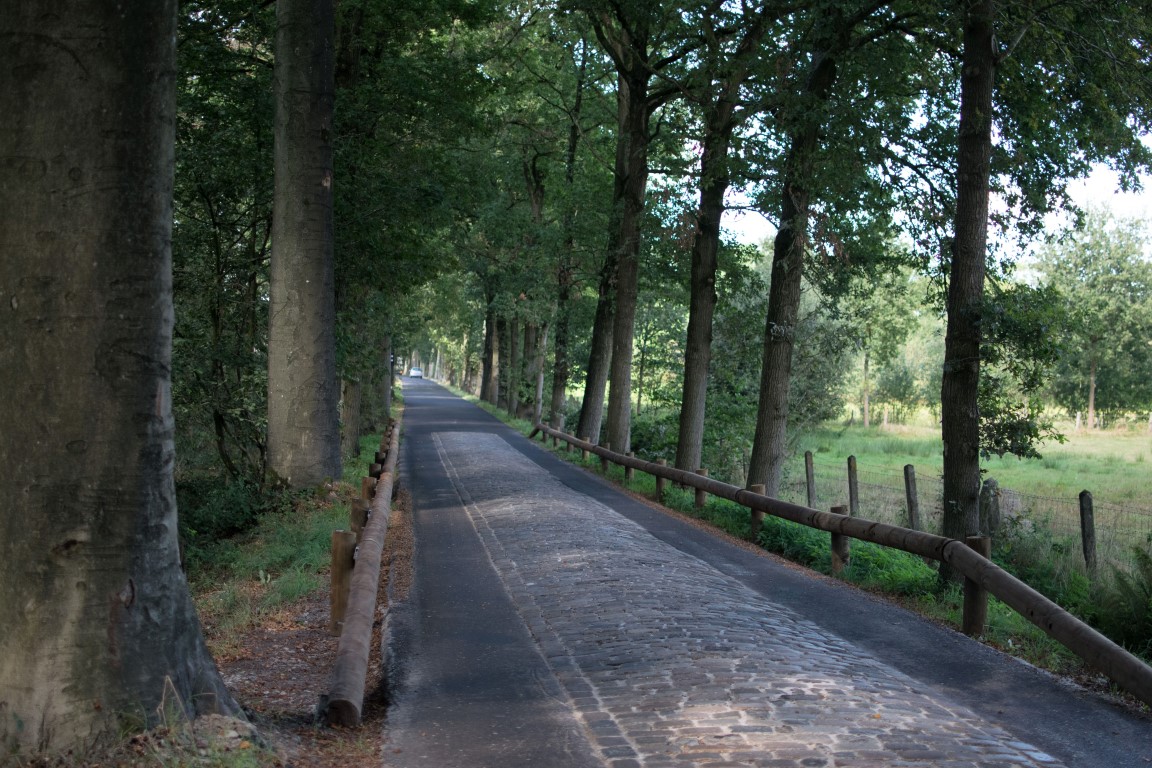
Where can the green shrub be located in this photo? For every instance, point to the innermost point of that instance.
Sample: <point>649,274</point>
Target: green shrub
<point>1126,614</point>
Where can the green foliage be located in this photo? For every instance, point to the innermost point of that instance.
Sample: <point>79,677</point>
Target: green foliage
<point>1105,281</point>
<point>1127,607</point>
<point>220,236</point>
<point>1023,330</point>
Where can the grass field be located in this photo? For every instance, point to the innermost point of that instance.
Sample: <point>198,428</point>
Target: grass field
<point>1114,465</point>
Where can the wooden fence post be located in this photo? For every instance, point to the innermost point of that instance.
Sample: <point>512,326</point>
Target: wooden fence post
<point>367,488</point>
<point>840,548</point>
<point>660,482</point>
<point>975,596</point>
<point>603,459</point>
<point>358,513</point>
<point>343,558</point>
<point>630,472</point>
<point>757,514</point>
<point>584,451</point>
<point>810,479</point>
<point>853,488</point>
<point>568,444</point>
<point>910,496</point>
<point>701,495</point>
<point>1088,531</point>
<point>375,471</point>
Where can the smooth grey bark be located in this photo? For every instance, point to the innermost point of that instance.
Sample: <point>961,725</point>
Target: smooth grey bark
<point>505,344</point>
<point>350,413</point>
<point>959,410</point>
<point>562,365</point>
<point>769,445</point>
<point>600,352</point>
<point>303,388</point>
<point>631,184</point>
<point>98,629</point>
<point>490,365</point>
<point>720,120</point>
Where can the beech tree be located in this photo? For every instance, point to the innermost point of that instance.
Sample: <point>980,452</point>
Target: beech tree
<point>303,389</point>
<point>732,46</point>
<point>1096,103</point>
<point>99,629</point>
<point>642,39</point>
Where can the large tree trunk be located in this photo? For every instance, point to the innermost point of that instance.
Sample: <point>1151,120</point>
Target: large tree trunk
<point>1092,395</point>
<point>490,365</point>
<point>98,629</point>
<point>867,412</point>
<point>600,352</point>
<point>504,349</point>
<point>350,418</point>
<point>531,353</point>
<point>702,304</point>
<point>631,183</point>
<point>562,366</point>
<point>720,121</point>
<point>960,415</point>
<point>769,446</point>
<point>515,366</point>
<point>389,378</point>
<point>303,389</point>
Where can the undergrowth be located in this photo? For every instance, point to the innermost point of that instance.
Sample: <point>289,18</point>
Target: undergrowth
<point>281,552</point>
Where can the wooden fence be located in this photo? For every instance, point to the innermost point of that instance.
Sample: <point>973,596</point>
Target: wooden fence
<point>359,552</point>
<point>969,559</point>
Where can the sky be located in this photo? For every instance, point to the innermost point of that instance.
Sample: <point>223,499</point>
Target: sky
<point>1099,189</point>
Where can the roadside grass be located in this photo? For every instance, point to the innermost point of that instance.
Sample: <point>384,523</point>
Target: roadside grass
<point>284,556</point>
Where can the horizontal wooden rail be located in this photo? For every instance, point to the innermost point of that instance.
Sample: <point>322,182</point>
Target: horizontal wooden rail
<point>350,673</point>
<point>1122,667</point>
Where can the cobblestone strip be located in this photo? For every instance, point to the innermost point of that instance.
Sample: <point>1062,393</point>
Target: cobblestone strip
<point>671,664</point>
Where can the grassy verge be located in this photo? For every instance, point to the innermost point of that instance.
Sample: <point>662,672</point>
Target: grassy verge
<point>282,557</point>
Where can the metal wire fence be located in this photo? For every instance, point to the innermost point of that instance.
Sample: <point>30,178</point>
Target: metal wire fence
<point>1119,528</point>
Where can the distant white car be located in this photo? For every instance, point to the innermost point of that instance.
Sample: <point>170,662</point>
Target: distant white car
<point>415,373</point>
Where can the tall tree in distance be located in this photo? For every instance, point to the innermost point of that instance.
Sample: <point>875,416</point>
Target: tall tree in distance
<point>730,57</point>
<point>303,390</point>
<point>98,629</point>
<point>959,409</point>
<point>643,40</point>
<point>1101,271</point>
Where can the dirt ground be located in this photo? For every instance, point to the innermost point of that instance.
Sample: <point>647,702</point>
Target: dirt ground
<point>277,670</point>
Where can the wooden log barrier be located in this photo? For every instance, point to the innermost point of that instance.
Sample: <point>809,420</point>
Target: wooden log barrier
<point>810,479</point>
<point>358,513</point>
<point>840,546</point>
<point>343,560</point>
<point>701,495</point>
<point>1123,668</point>
<point>661,483</point>
<point>975,616</point>
<point>1088,532</point>
<point>911,498</point>
<point>757,514</point>
<point>345,700</point>
<point>853,488</point>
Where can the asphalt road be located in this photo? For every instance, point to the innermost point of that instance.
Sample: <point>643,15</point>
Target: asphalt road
<point>491,669</point>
